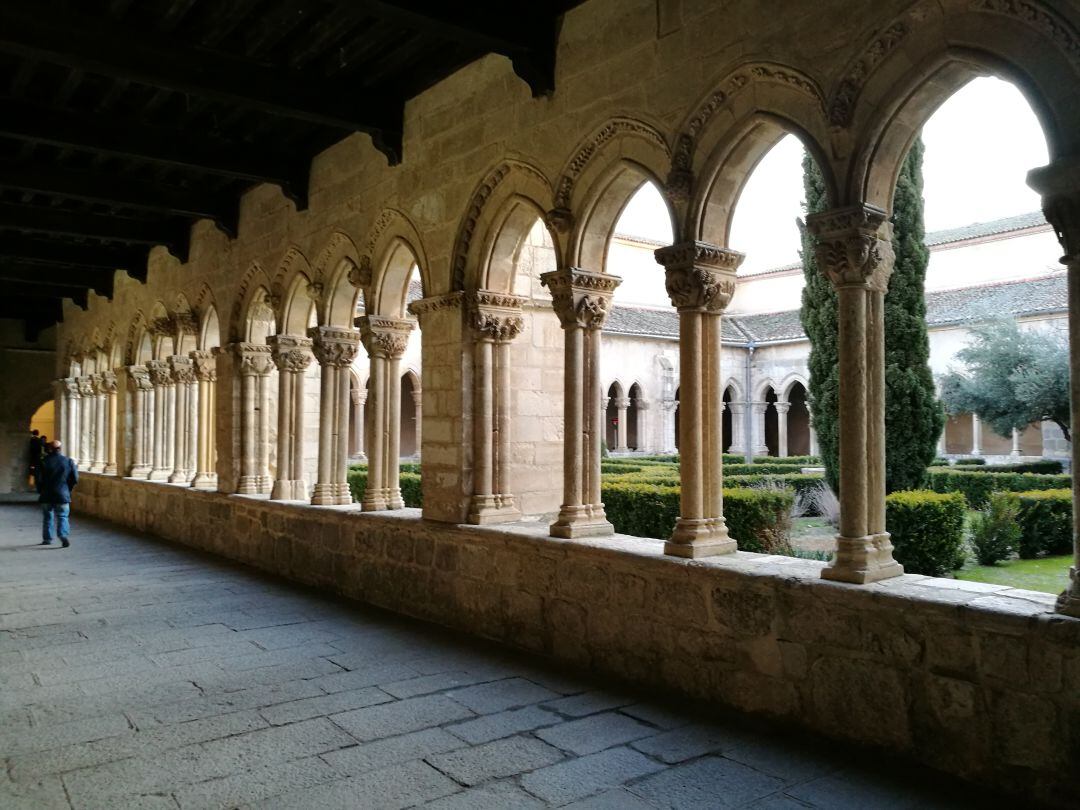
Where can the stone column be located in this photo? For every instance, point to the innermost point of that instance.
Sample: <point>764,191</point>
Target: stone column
<point>642,407</point>
<point>813,441</point>
<point>582,301</point>
<point>976,435</point>
<point>854,249</point>
<point>738,428</point>
<point>621,406</point>
<point>97,426</point>
<point>385,340</point>
<point>782,409</point>
<point>183,374</point>
<point>141,423</point>
<point>254,365</point>
<point>205,366</point>
<point>700,280</point>
<point>335,349</point>
<point>108,384</point>
<point>292,356</point>
<point>359,398</point>
<point>70,418</point>
<point>495,320</point>
<point>667,420</point>
<point>940,443</point>
<point>1015,443</point>
<point>758,409</point>
<point>1059,185</point>
<point>161,380</point>
<point>87,421</point>
<point>418,418</point>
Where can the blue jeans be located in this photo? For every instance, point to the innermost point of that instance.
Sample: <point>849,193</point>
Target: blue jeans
<point>61,510</point>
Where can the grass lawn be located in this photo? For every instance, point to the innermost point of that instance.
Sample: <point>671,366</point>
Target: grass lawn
<point>1047,574</point>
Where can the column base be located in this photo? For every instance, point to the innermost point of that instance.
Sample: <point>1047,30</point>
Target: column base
<point>324,495</point>
<point>139,471</point>
<point>700,537</point>
<point>862,559</point>
<point>159,475</point>
<point>289,490</point>
<point>249,485</point>
<point>344,494</point>
<point>179,477</point>
<point>110,469</point>
<point>374,500</point>
<point>1068,603</point>
<point>204,481</point>
<point>97,467</point>
<point>581,520</point>
<point>394,499</point>
<point>488,509</point>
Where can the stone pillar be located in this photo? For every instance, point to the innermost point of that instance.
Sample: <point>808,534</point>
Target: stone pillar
<point>359,399</point>
<point>582,301</point>
<point>642,410</point>
<point>183,374</point>
<point>385,340</point>
<point>976,435</point>
<point>854,249</point>
<point>292,356</point>
<point>97,428</point>
<point>758,410</point>
<point>254,365</point>
<point>814,449</point>
<point>70,418</point>
<point>700,280</point>
<point>782,409</point>
<point>161,380</point>
<point>108,384</point>
<point>1015,443</point>
<point>418,418</point>
<point>667,419</point>
<point>142,426</point>
<point>1059,185</point>
<point>940,443</point>
<point>335,349</point>
<point>738,428</point>
<point>205,366</point>
<point>621,406</point>
<point>496,320</point>
<point>87,421</point>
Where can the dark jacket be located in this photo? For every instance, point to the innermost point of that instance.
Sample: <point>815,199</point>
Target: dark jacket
<point>57,475</point>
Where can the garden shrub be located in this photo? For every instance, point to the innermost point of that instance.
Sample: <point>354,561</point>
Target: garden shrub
<point>927,530</point>
<point>939,462</point>
<point>977,485</point>
<point>760,468</point>
<point>757,519</point>
<point>995,531</point>
<point>970,461</point>
<point>410,484</point>
<point>799,483</point>
<point>1045,519</point>
<point>1040,467</point>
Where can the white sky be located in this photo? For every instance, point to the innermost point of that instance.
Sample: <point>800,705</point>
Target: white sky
<point>980,145</point>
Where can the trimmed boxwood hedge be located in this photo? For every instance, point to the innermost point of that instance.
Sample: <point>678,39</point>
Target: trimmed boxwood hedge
<point>411,491</point>
<point>757,519</point>
<point>977,485</point>
<point>1044,466</point>
<point>1045,520</point>
<point>927,530</point>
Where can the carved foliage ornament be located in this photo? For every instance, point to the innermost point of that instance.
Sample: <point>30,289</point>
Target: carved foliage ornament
<point>385,337</point>
<point>160,373</point>
<point>107,383</point>
<point>183,371</point>
<point>496,316</point>
<point>580,298</point>
<point>842,105</point>
<point>253,359</point>
<point>334,347</point>
<point>205,366</point>
<point>1040,17</point>
<point>581,158</point>
<point>854,246</point>
<point>1063,213</point>
<point>291,353</point>
<point>86,386</point>
<point>699,276</point>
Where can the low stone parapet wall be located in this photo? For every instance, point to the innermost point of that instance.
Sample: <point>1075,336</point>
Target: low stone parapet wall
<point>978,680</point>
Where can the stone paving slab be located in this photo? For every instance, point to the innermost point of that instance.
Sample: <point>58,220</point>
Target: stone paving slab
<point>134,674</point>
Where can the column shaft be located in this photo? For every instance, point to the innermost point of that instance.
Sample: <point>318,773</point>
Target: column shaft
<point>483,401</point>
<point>335,349</point>
<point>976,435</point>
<point>393,433</point>
<point>374,494</point>
<point>503,407</point>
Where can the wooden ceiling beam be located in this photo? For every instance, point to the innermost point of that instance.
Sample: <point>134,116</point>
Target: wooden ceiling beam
<point>21,272</point>
<point>50,252</point>
<point>69,224</point>
<point>31,289</point>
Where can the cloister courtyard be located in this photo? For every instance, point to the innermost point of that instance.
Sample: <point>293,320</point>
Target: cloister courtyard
<point>408,475</point>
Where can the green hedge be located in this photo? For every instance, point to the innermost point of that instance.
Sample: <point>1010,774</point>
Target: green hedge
<point>411,491</point>
<point>798,482</point>
<point>970,461</point>
<point>927,530</point>
<point>976,486</point>
<point>757,519</point>
<point>1045,519</point>
<point>1044,466</point>
<point>761,468</point>
<point>796,461</point>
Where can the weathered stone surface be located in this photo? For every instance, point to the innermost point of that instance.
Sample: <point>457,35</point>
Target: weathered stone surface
<point>577,778</point>
<point>591,734</point>
<point>495,760</point>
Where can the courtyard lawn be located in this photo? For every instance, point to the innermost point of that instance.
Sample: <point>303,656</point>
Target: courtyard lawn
<point>1047,574</point>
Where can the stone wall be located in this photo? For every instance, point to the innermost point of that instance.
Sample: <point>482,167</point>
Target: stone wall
<point>978,680</point>
<point>27,371</point>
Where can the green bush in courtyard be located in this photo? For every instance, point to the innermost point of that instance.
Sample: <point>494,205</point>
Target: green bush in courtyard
<point>977,485</point>
<point>1045,519</point>
<point>410,484</point>
<point>1046,466</point>
<point>757,519</point>
<point>970,461</point>
<point>995,531</point>
<point>927,530</point>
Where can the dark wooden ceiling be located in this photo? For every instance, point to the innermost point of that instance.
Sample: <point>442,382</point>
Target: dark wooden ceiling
<point>124,121</point>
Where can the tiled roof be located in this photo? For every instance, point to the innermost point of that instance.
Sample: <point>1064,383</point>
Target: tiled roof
<point>978,230</point>
<point>1017,298</point>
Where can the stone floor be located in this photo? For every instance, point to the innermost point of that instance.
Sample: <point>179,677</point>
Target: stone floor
<point>137,674</point>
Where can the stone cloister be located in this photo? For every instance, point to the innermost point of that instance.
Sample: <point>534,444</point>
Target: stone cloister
<point>249,369</point>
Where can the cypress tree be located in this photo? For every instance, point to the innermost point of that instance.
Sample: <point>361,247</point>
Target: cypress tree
<point>913,416</point>
<point>818,317</point>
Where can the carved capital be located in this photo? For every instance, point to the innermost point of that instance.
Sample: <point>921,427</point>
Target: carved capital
<point>333,346</point>
<point>205,365</point>
<point>1059,185</point>
<point>560,220</point>
<point>495,316</point>
<point>160,373</point>
<point>854,246</point>
<point>291,353</point>
<point>360,275</point>
<point>580,298</point>
<point>385,337</point>
<point>435,303</point>
<point>699,276</point>
<point>358,396</point>
<point>183,370</point>
<point>107,383</point>
<point>621,402</point>
<point>314,291</point>
<point>252,359</point>
<point>139,376</point>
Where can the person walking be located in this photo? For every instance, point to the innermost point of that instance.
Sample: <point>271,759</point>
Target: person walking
<point>34,452</point>
<point>57,476</point>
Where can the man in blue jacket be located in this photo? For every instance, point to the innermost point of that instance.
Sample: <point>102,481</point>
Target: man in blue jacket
<point>57,476</point>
